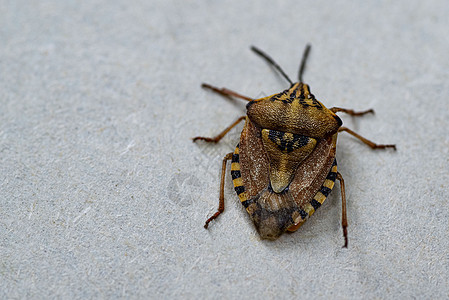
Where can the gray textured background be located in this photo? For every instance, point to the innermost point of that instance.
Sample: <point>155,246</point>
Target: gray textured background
<point>103,194</point>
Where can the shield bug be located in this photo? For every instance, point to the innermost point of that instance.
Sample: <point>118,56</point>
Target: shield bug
<point>284,166</point>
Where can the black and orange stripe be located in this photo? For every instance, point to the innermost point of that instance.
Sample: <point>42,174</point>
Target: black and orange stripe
<point>324,191</point>
<point>237,176</point>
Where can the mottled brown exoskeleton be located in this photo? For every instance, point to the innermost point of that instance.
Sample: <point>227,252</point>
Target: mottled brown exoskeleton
<point>284,166</point>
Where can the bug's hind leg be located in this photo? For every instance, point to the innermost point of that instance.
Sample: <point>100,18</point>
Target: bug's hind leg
<point>372,145</point>
<point>344,218</point>
<point>226,92</point>
<point>217,138</point>
<point>351,112</point>
<point>221,198</point>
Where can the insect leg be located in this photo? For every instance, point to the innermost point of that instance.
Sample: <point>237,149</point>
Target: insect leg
<point>226,92</point>
<point>221,198</point>
<point>217,138</point>
<point>351,112</point>
<point>366,141</point>
<point>344,218</point>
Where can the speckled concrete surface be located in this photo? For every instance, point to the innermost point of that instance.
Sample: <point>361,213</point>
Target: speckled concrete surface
<point>103,194</point>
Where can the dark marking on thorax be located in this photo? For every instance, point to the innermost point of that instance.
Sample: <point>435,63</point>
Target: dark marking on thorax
<point>287,142</point>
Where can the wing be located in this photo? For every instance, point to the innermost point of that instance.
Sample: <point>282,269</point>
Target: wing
<point>273,213</point>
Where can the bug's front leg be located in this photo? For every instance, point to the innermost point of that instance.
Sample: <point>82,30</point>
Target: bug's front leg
<point>225,92</point>
<point>217,138</point>
<point>351,111</point>
<point>221,198</point>
<point>372,145</point>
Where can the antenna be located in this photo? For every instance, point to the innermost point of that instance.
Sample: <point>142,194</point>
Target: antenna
<point>303,62</point>
<point>271,62</point>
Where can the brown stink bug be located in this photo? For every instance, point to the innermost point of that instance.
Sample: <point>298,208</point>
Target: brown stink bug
<point>284,166</point>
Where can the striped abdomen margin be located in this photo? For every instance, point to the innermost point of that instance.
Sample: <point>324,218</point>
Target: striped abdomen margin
<point>237,176</point>
<point>309,208</point>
